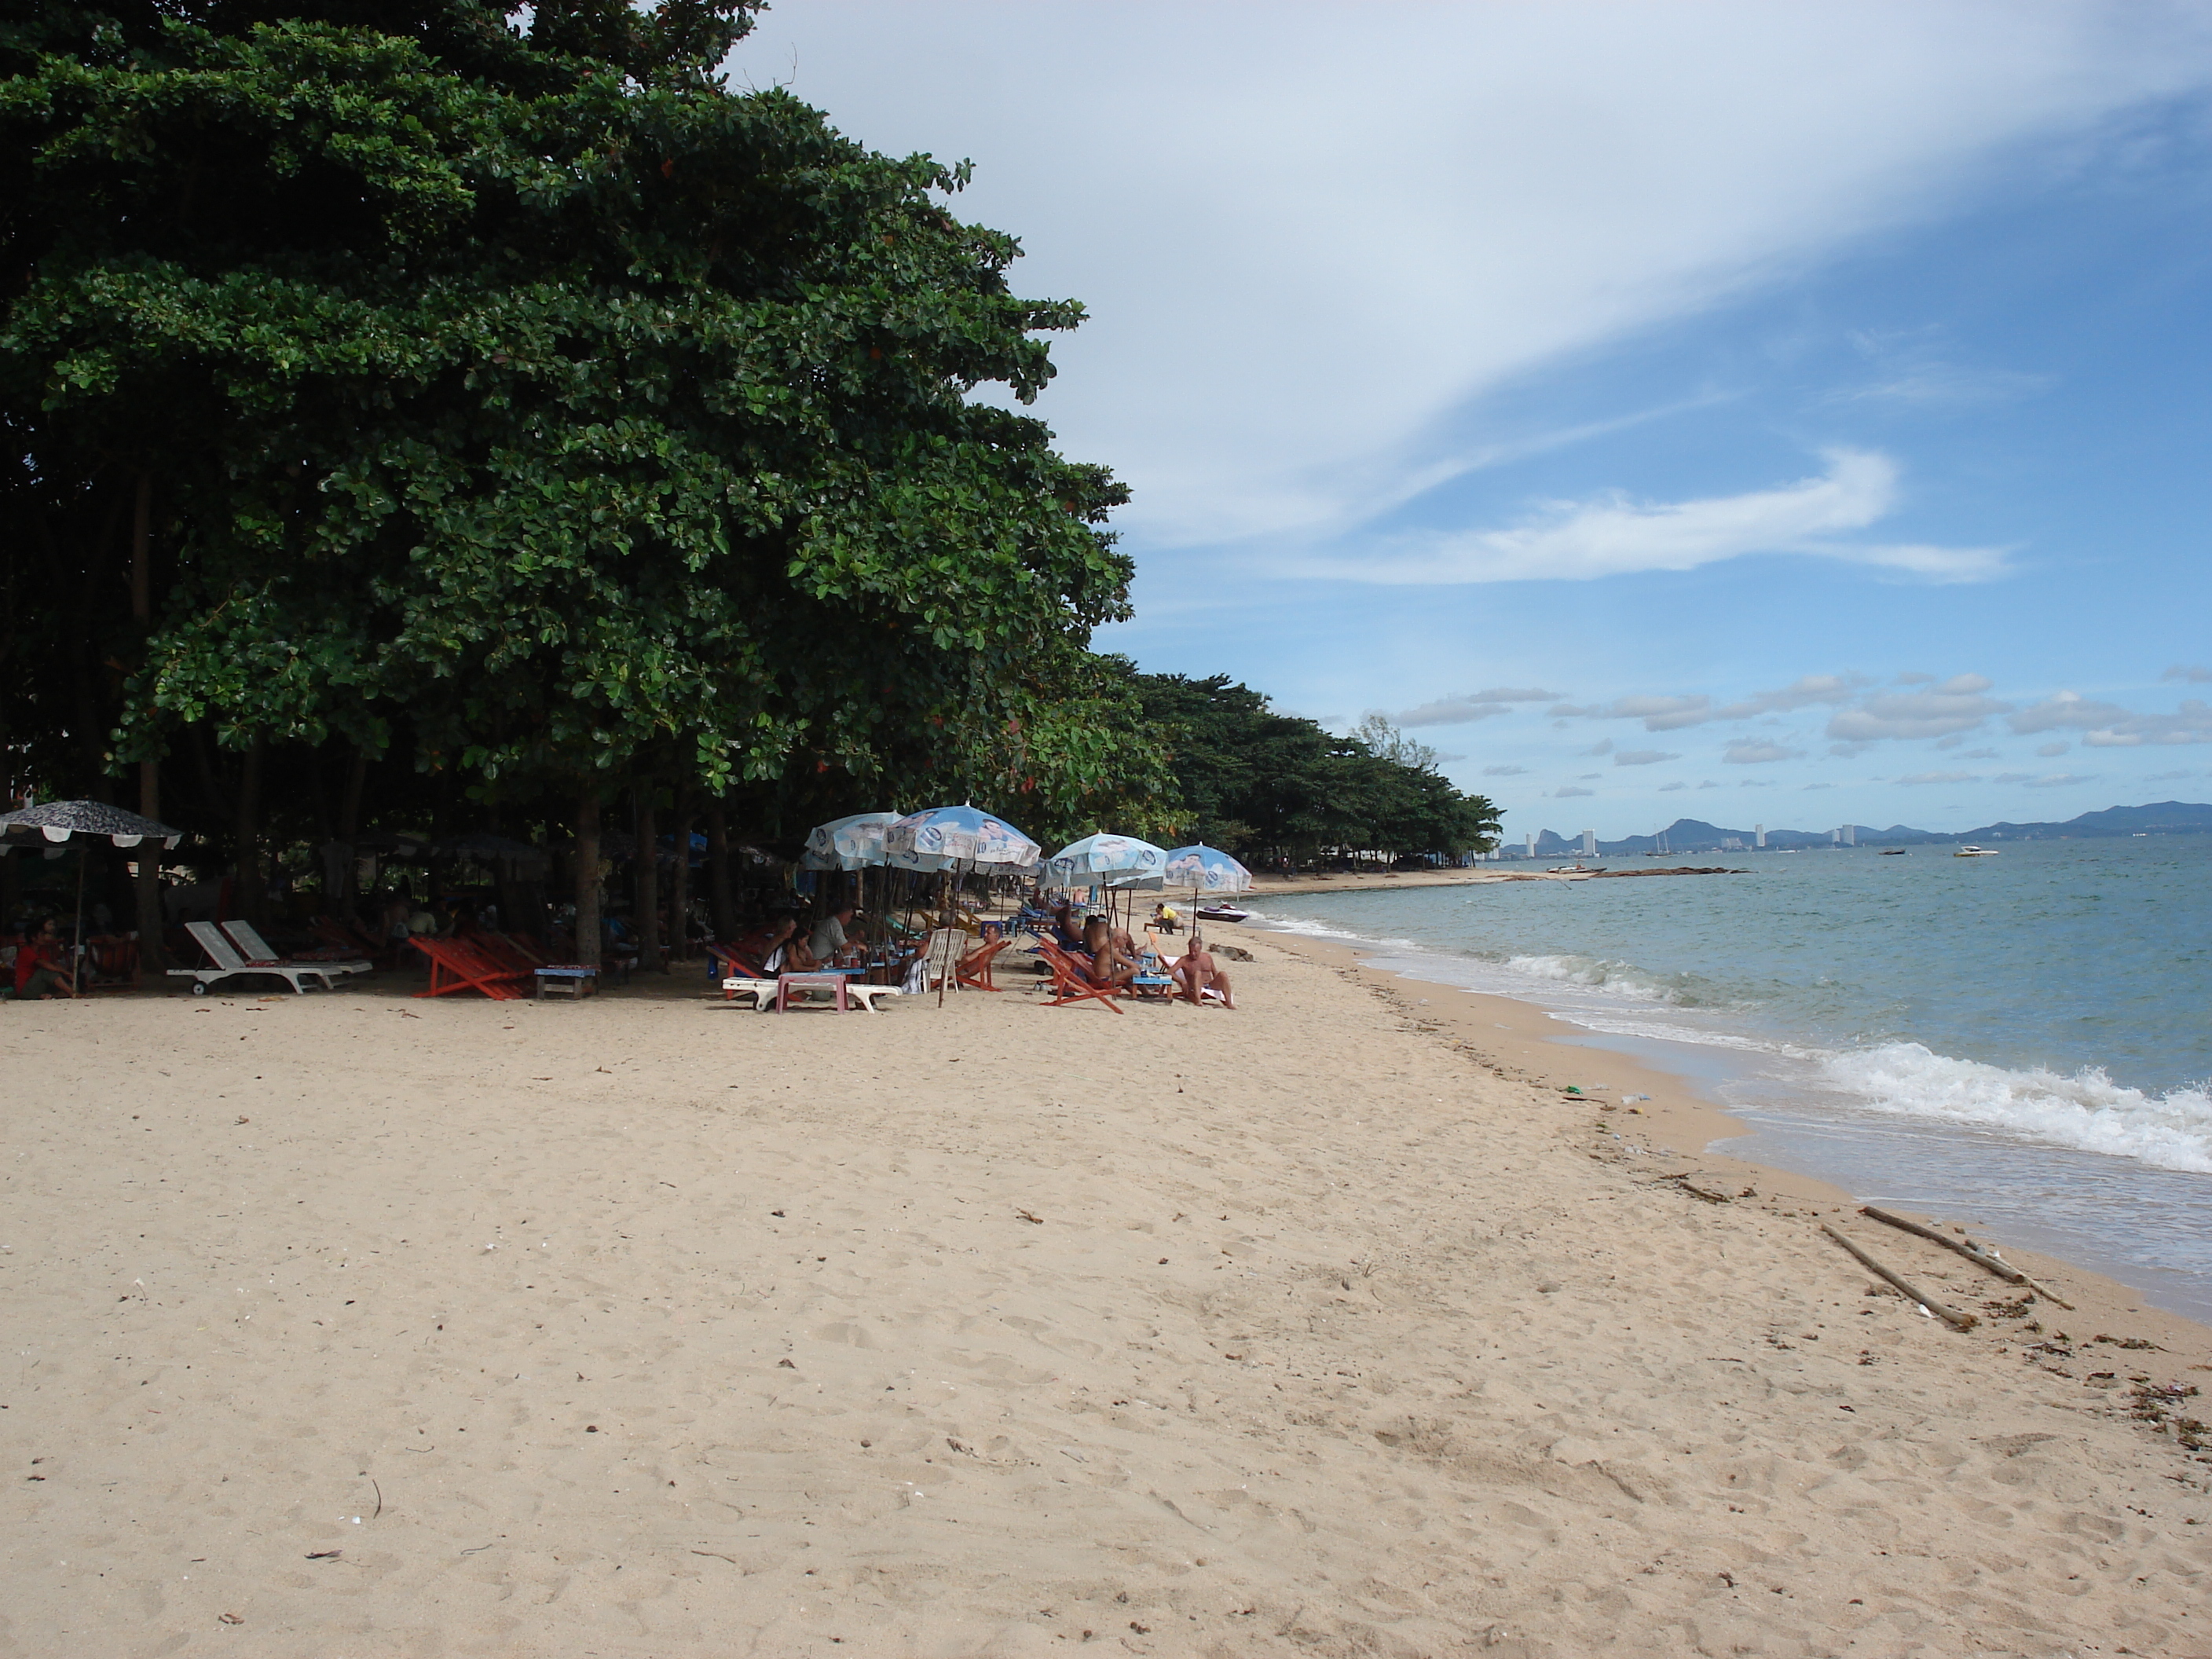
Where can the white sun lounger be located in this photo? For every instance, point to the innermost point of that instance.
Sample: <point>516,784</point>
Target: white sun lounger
<point>867,995</point>
<point>762,991</point>
<point>248,938</point>
<point>227,962</point>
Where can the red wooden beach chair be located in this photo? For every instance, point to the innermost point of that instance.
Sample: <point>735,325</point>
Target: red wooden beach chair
<point>1070,984</point>
<point>973,969</point>
<point>456,964</point>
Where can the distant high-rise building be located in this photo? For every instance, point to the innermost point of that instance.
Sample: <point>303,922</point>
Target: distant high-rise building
<point>1532,844</point>
<point>1850,833</point>
<point>1589,843</point>
<point>1731,843</point>
<point>1759,836</point>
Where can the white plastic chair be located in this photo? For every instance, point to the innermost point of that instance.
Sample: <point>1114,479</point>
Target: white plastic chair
<point>227,962</point>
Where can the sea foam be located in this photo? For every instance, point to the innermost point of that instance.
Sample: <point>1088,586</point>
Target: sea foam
<point>2087,1111</point>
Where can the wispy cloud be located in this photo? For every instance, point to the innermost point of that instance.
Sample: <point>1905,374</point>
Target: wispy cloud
<point>1504,771</point>
<point>1757,752</point>
<point>1565,790</point>
<point>1642,757</point>
<point>1611,536</point>
<point>1471,705</point>
<point>2108,725</point>
<point>1958,704</point>
<point>2195,673</point>
<point>1913,779</point>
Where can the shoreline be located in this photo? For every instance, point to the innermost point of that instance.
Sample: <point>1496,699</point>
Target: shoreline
<point>1522,1041</point>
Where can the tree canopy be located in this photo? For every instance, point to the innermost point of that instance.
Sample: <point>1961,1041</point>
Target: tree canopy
<point>536,402</point>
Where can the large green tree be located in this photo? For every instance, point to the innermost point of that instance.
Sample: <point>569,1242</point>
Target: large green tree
<point>530,397</point>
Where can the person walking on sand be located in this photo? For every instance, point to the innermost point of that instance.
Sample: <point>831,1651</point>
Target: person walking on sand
<point>1200,973</point>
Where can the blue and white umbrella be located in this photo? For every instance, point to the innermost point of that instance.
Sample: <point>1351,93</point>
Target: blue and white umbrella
<point>941,836</point>
<point>1207,870</point>
<point>1105,861</point>
<point>850,843</point>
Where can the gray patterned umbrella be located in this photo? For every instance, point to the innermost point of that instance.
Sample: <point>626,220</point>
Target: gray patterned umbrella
<point>68,820</point>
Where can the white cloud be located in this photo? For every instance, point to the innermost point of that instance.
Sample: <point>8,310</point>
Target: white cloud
<point>1580,541</point>
<point>1910,368</point>
<point>2108,725</point>
<point>1642,757</point>
<point>1305,239</point>
<point>1918,778</point>
<point>1957,705</point>
<point>1749,751</point>
<point>1677,714</point>
<point>1504,771</point>
<point>1709,784</point>
<point>1670,788</point>
<point>2050,751</point>
<point>2167,777</point>
<point>2060,781</point>
<point>1603,746</point>
<point>1471,706</point>
<point>1572,789</point>
<point>2195,674</point>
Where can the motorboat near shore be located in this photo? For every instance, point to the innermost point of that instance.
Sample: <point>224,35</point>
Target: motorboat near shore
<point>1221,913</point>
<point>1971,851</point>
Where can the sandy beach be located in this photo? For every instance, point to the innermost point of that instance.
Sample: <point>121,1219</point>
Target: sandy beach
<point>362,1325</point>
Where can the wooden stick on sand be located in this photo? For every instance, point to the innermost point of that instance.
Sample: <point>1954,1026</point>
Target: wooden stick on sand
<point>1950,1317</point>
<point>1980,1258</point>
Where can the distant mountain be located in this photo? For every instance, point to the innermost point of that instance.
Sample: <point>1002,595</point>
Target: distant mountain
<point>2171,817</point>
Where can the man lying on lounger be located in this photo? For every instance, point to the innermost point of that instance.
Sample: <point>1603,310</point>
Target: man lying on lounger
<point>1199,974</point>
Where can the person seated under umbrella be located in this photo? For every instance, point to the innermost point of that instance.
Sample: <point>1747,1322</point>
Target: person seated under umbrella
<point>40,970</point>
<point>1109,964</point>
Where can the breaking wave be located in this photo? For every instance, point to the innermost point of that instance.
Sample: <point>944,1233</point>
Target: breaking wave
<point>2087,1111</point>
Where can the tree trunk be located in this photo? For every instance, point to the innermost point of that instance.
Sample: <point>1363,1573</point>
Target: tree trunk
<point>250,889</point>
<point>718,873</point>
<point>647,917</point>
<point>152,958</point>
<point>346,899</point>
<point>679,882</point>
<point>587,876</point>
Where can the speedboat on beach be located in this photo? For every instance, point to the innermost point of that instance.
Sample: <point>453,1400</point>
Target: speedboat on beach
<point>1971,851</point>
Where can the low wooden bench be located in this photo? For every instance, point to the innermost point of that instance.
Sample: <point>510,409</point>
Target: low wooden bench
<point>571,978</point>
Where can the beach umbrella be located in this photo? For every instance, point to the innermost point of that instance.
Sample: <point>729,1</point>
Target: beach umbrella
<point>1104,860</point>
<point>957,835</point>
<point>1206,869</point>
<point>84,821</point>
<point>849,843</point>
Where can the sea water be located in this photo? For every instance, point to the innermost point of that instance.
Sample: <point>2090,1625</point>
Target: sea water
<point>2022,1042</point>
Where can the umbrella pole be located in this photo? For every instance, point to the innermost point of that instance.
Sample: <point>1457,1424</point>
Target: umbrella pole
<point>76,940</point>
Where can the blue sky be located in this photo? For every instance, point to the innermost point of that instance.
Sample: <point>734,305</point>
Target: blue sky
<point>1778,414</point>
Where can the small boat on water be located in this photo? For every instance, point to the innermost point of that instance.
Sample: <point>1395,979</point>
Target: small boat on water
<point>1894,852</point>
<point>1971,851</point>
<point>1221,912</point>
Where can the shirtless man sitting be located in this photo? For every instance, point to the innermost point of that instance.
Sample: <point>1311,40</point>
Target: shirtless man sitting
<point>1109,964</point>
<point>1199,973</point>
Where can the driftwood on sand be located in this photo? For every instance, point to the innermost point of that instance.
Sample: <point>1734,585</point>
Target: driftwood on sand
<point>1967,1248</point>
<point>1950,1317</point>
